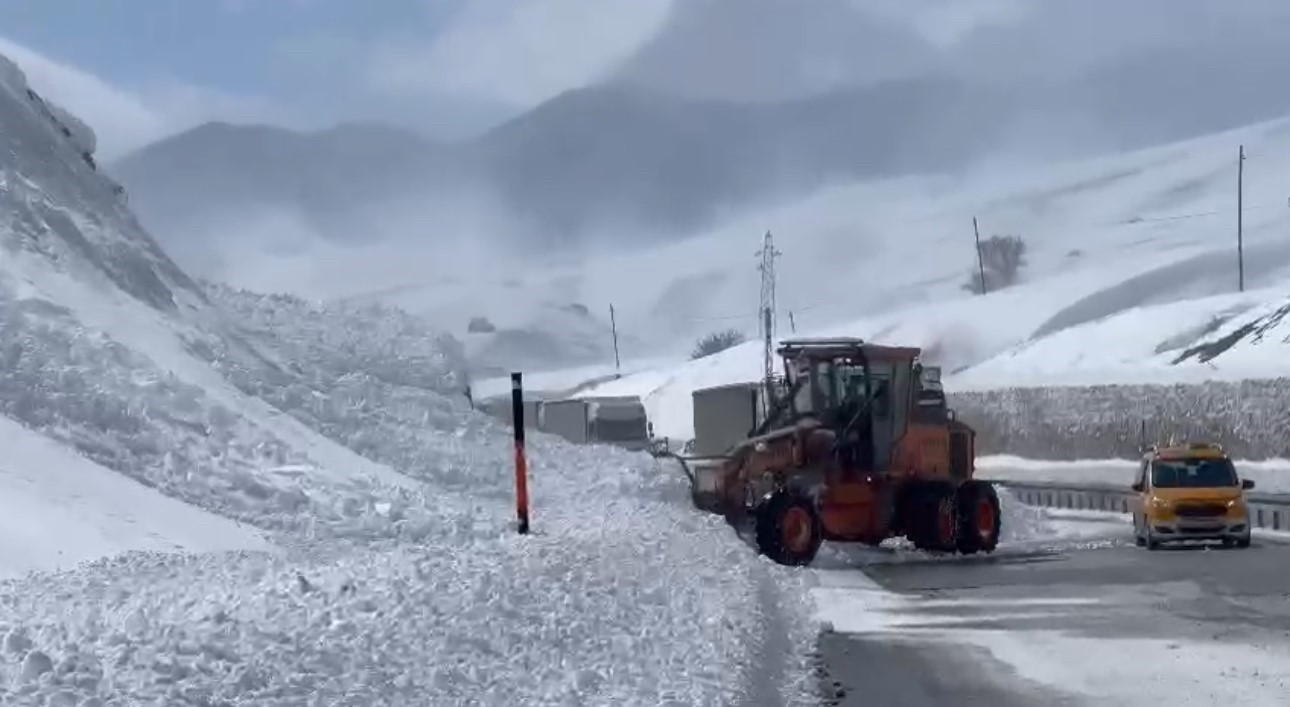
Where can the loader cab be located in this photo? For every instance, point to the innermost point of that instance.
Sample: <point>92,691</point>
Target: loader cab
<point>858,389</point>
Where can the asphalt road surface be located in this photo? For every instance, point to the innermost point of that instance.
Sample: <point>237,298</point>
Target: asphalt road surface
<point>1095,621</point>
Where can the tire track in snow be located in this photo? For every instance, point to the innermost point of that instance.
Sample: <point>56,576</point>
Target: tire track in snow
<point>767,673</point>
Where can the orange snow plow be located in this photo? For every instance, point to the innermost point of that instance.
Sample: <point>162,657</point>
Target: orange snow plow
<point>857,445</point>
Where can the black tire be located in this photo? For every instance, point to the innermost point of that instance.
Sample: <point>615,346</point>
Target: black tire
<point>1243,542</point>
<point>979,517</point>
<point>931,516</point>
<point>788,529</point>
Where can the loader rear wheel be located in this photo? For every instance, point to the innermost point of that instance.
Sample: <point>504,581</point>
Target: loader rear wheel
<point>932,517</point>
<point>979,517</point>
<point>788,529</point>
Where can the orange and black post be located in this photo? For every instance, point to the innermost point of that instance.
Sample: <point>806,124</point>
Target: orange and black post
<point>521,466</point>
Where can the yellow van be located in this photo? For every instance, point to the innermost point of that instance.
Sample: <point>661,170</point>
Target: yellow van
<point>1190,492</point>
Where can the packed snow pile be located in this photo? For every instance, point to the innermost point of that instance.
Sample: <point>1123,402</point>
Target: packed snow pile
<point>341,434</point>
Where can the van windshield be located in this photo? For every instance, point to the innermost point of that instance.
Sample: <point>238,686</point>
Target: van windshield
<point>1194,473</point>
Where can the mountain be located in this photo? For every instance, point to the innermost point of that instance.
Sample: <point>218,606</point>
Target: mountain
<point>724,111</point>
<point>198,187</point>
<point>775,50</point>
<point>557,171</point>
<point>723,122</point>
<point>620,158</point>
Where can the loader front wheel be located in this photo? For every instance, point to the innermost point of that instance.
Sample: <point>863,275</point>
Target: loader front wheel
<point>788,529</point>
<point>978,504</point>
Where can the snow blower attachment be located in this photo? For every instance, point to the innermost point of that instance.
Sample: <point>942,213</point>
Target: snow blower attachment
<point>857,446</point>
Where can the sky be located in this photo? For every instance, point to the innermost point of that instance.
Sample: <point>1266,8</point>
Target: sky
<point>140,70</point>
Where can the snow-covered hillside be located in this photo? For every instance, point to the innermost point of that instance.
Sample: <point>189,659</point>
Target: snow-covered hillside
<point>1132,261</point>
<point>1103,235</point>
<point>340,435</point>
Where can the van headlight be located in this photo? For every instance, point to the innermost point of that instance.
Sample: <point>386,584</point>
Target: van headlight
<point>1158,502</point>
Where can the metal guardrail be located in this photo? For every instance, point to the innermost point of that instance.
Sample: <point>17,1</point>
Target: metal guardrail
<point>1269,511</point>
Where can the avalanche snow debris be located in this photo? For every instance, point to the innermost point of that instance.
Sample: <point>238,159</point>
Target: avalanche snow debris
<point>420,591</point>
<point>616,607</point>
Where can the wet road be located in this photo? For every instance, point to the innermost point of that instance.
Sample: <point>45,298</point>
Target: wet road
<point>1093,620</point>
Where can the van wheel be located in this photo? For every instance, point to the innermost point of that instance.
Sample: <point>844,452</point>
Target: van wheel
<point>1149,540</point>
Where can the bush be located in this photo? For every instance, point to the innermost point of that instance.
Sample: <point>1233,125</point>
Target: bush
<point>1002,258</point>
<point>480,325</point>
<point>716,342</point>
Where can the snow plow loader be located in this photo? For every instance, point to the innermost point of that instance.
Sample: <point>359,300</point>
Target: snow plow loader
<point>856,446</point>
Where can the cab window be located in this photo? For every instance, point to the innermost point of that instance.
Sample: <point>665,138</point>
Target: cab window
<point>1141,479</point>
<point>1194,473</point>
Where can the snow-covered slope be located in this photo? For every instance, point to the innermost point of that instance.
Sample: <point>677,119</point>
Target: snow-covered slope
<point>58,509</point>
<point>339,433</point>
<point>1131,260</point>
<point>1103,236</point>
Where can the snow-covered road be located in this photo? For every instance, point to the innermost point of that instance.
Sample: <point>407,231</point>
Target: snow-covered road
<point>1074,614</point>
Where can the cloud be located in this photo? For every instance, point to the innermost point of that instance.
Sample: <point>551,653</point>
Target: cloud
<point>125,119</point>
<point>518,51</point>
<point>945,23</point>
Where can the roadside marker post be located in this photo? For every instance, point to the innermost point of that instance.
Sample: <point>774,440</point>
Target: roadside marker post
<point>521,464</point>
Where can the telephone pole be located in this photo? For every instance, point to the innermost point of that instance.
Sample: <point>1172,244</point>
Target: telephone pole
<point>980,259</point>
<point>767,311</point>
<point>613,326</point>
<point>1240,222</point>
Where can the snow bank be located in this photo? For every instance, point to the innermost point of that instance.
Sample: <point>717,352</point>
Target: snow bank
<point>1105,421</point>
<point>1269,475</point>
<point>58,509</point>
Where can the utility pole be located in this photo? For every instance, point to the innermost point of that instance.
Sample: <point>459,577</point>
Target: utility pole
<point>613,326</point>
<point>767,309</point>
<point>980,258</point>
<point>1240,219</point>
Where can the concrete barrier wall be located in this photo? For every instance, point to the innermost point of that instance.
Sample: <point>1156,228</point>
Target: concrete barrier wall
<point>1250,418</point>
<point>1267,511</point>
